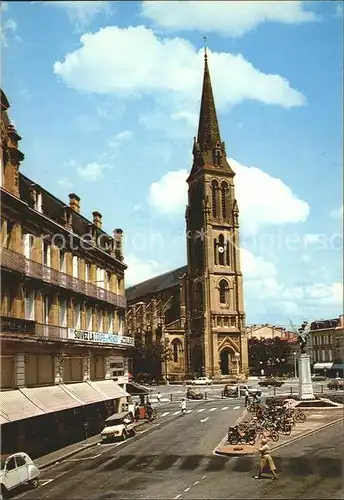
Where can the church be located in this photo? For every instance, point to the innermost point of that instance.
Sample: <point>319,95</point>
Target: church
<point>197,311</point>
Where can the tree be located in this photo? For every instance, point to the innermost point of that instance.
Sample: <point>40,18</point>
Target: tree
<point>268,354</point>
<point>149,356</point>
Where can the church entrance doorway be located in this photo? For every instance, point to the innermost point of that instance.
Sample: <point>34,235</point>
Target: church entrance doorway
<point>225,358</point>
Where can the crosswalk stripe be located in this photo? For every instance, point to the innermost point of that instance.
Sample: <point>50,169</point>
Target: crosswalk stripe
<point>166,413</point>
<point>176,412</point>
<point>236,407</point>
<point>212,409</point>
<point>202,409</point>
<point>225,408</point>
<point>189,411</point>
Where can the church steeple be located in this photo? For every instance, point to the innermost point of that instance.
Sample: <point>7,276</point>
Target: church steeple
<point>208,127</point>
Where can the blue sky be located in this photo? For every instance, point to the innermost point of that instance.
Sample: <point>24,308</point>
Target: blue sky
<point>106,97</point>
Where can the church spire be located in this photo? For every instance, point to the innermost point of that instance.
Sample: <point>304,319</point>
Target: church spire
<point>208,127</point>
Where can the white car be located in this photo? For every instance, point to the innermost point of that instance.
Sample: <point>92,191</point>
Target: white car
<point>119,425</point>
<point>17,469</point>
<point>202,381</point>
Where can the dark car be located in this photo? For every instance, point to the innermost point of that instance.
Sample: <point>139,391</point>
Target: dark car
<point>318,378</point>
<point>337,383</point>
<point>273,382</point>
<point>193,393</point>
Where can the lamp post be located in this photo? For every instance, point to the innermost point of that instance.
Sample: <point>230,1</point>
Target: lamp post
<point>295,372</point>
<point>237,355</point>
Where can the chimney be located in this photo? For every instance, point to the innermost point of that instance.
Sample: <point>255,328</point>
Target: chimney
<point>97,219</point>
<point>74,202</point>
<point>118,247</point>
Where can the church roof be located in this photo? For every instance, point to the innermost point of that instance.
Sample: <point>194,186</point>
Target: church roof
<point>155,285</point>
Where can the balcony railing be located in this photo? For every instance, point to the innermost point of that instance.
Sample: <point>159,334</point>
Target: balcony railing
<point>18,262</point>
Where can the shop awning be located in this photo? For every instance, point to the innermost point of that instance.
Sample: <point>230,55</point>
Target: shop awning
<point>136,389</point>
<point>3,420</point>
<point>16,406</point>
<point>84,392</point>
<point>51,398</point>
<point>109,389</point>
<point>323,366</point>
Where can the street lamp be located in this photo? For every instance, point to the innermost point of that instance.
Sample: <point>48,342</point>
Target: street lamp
<point>237,356</point>
<point>295,372</point>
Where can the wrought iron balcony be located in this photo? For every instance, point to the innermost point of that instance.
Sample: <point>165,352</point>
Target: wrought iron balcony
<point>18,262</point>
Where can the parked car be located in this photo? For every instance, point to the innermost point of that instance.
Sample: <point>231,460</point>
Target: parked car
<point>119,425</point>
<point>17,469</point>
<point>318,378</point>
<point>337,383</point>
<point>270,382</point>
<point>193,393</point>
<point>202,381</point>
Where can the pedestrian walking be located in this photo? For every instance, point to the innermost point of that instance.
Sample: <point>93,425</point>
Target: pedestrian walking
<point>137,412</point>
<point>266,461</point>
<point>158,397</point>
<point>247,397</point>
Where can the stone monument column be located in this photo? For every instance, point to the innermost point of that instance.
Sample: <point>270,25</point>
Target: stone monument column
<point>305,380</point>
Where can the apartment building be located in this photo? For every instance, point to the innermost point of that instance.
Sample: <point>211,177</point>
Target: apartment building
<point>327,346</point>
<point>64,355</point>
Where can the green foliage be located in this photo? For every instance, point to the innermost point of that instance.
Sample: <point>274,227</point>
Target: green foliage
<point>148,357</point>
<point>271,355</point>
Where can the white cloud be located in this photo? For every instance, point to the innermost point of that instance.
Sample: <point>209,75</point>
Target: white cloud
<point>140,270</point>
<point>254,267</point>
<point>233,18</point>
<point>7,27</point>
<point>81,13</point>
<point>169,194</point>
<point>92,172</point>
<point>312,239</point>
<point>263,200</point>
<point>64,183</point>
<point>337,213</point>
<point>124,136</point>
<point>169,70</point>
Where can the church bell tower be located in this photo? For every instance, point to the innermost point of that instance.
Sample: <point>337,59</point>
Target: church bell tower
<point>216,319</point>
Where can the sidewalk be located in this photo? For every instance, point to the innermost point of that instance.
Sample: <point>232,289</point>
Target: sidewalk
<point>315,421</point>
<point>64,453</point>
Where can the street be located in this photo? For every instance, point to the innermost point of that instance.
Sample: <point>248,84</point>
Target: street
<point>176,461</point>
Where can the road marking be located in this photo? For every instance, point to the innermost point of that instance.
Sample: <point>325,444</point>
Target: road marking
<point>196,482</point>
<point>166,413</point>
<point>43,482</point>
<point>203,477</point>
<point>186,489</point>
<point>82,458</point>
<point>176,412</point>
<point>212,409</point>
<point>236,407</point>
<point>189,411</point>
<point>205,419</point>
<point>178,496</point>
<point>202,409</point>
<point>225,408</point>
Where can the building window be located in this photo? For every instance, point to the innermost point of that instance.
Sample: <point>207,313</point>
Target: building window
<point>77,316</point>
<point>72,370</point>
<point>30,304</point>
<point>75,266</point>
<point>228,253</point>
<point>224,203</point>
<point>215,251</point>
<point>63,312</point>
<point>28,244</point>
<point>214,205</point>
<point>62,261</point>
<point>87,272</point>
<point>221,254</point>
<point>223,292</point>
<point>176,348</point>
<point>100,321</point>
<point>89,318</point>
<point>47,302</point>
<point>119,285</point>
<point>97,368</point>
<point>120,323</point>
<point>46,254</point>
<point>39,369</point>
<point>110,322</point>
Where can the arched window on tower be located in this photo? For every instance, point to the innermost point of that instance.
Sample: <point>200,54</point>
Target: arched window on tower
<point>214,204</point>
<point>221,250</point>
<point>224,292</point>
<point>215,252</point>
<point>224,200</point>
<point>228,262</point>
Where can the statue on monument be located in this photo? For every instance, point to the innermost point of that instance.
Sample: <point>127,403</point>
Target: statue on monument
<point>304,335</point>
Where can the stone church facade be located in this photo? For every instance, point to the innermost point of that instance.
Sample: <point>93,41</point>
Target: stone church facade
<point>198,310</point>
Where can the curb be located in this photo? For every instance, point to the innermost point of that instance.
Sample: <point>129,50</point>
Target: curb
<point>274,448</point>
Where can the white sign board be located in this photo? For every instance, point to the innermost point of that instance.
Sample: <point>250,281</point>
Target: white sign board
<point>103,338</point>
